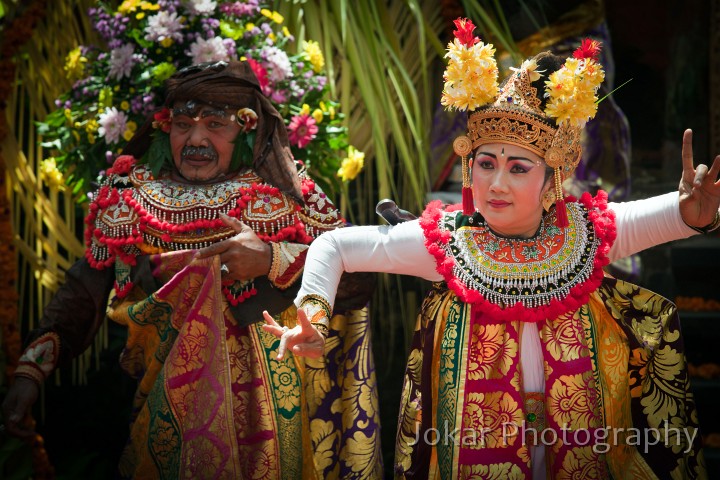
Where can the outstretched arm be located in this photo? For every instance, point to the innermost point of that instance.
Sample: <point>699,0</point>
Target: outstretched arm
<point>399,249</point>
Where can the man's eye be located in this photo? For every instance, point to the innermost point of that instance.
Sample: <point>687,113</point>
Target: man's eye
<point>216,124</point>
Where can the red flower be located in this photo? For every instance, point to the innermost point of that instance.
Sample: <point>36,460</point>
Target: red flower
<point>122,165</point>
<point>261,75</point>
<point>588,49</point>
<point>464,32</point>
<point>302,130</point>
<point>162,120</point>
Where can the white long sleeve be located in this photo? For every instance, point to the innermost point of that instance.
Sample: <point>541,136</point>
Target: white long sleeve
<point>642,224</point>
<point>397,249</point>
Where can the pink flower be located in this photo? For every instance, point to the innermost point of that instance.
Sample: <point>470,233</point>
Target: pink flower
<point>302,130</point>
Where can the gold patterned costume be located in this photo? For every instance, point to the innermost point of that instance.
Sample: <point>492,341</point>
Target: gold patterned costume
<point>212,400</point>
<point>616,400</point>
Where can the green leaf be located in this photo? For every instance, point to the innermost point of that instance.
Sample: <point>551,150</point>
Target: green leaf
<point>159,154</point>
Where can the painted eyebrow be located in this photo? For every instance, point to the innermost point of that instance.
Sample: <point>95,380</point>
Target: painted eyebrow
<point>509,158</point>
<point>204,114</point>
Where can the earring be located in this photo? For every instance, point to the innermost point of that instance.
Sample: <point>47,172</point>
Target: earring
<point>548,199</point>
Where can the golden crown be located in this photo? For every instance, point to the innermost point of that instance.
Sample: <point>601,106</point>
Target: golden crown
<point>513,114</point>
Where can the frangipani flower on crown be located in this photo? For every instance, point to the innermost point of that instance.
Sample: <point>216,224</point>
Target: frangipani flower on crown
<point>471,74</point>
<point>572,90</point>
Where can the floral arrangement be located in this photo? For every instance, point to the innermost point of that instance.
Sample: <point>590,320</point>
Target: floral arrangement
<point>572,90</point>
<point>471,76</point>
<point>117,85</point>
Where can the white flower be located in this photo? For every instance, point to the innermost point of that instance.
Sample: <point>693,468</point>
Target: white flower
<point>122,60</point>
<point>278,63</point>
<point>163,25</point>
<point>200,7</point>
<point>212,50</point>
<point>112,125</point>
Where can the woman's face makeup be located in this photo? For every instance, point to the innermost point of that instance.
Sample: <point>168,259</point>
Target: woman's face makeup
<point>508,183</point>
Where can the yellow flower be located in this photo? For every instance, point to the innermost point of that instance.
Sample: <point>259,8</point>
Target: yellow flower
<point>272,37</point>
<point>305,109</point>
<point>332,112</point>
<point>140,15</point>
<point>127,135</point>
<point>124,105</point>
<point>285,31</point>
<point>166,42</point>
<point>249,26</point>
<point>131,125</point>
<point>274,16</point>
<point>91,126</point>
<point>313,53</point>
<point>74,64</point>
<point>91,139</point>
<point>352,165</point>
<point>68,114</point>
<point>149,6</point>
<point>572,91</point>
<point>317,115</point>
<point>323,107</point>
<point>50,174</point>
<point>128,6</point>
<point>470,77</point>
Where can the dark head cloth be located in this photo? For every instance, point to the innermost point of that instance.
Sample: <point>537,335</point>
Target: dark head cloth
<point>233,85</point>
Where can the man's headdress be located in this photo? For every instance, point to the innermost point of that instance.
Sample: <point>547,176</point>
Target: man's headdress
<point>232,85</point>
<point>549,126</point>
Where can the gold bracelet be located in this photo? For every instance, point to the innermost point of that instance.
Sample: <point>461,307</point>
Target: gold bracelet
<point>275,262</point>
<point>318,309</point>
<point>714,225</point>
<point>322,328</point>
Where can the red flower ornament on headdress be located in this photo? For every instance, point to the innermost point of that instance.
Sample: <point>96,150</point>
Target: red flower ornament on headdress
<point>464,32</point>
<point>588,49</point>
<point>162,120</point>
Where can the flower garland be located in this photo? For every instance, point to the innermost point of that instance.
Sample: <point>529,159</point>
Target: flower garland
<point>118,246</point>
<point>436,239</point>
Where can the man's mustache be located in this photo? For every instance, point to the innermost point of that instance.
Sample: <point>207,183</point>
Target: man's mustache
<point>204,152</point>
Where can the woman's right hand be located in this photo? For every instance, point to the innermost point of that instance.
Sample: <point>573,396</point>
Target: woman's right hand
<point>19,400</point>
<point>303,339</point>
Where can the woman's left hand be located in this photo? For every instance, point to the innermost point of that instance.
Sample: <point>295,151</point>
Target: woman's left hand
<point>699,188</point>
<point>303,339</point>
<point>243,256</point>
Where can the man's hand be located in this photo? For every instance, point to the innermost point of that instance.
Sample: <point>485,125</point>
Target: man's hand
<point>244,255</point>
<point>699,188</point>
<point>19,400</point>
<point>303,339</point>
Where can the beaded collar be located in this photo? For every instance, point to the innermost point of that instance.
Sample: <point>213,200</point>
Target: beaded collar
<point>522,279</point>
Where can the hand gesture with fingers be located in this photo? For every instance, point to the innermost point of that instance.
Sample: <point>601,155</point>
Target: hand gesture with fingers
<point>243,256</point>
<point>699,188</point>
<point>303,339</point>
